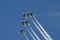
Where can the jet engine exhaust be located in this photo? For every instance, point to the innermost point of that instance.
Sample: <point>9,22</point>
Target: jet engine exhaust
<point>34,33</point>
<point>39,30</point>
<point>39,25</point>
<point>31,34</point>
<point>26,37</point>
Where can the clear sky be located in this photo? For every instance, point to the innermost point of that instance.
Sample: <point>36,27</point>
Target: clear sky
<point>47,12</point>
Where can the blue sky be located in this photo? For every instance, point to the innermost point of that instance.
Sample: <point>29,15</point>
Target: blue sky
<point>47,12</point>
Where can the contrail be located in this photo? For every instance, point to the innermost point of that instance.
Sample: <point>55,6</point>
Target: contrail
<point>48,36</point>
<point>26,38</point>
<point>31,34</point>
<point>34,33</point>
<point>40,30</point>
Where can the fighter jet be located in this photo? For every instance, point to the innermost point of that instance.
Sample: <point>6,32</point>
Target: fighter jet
<point>25,16</point>
<point>25,23</point>
<point>22,32</point>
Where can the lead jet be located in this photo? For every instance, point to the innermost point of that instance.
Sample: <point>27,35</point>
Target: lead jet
<point>25,23</point>
<point>22,32</point>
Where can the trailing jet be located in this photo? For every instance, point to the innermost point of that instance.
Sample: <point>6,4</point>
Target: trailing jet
<point>22,31</point>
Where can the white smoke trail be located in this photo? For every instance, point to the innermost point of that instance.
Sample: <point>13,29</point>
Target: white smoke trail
<point>31,34</point>
<point>43,29</point>
<point>40,30</point>
<point>26,38</point>
<point>34,33</point>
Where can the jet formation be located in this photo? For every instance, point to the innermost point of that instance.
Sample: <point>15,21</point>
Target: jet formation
<point>28,15</point>
<point>26,23</point>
